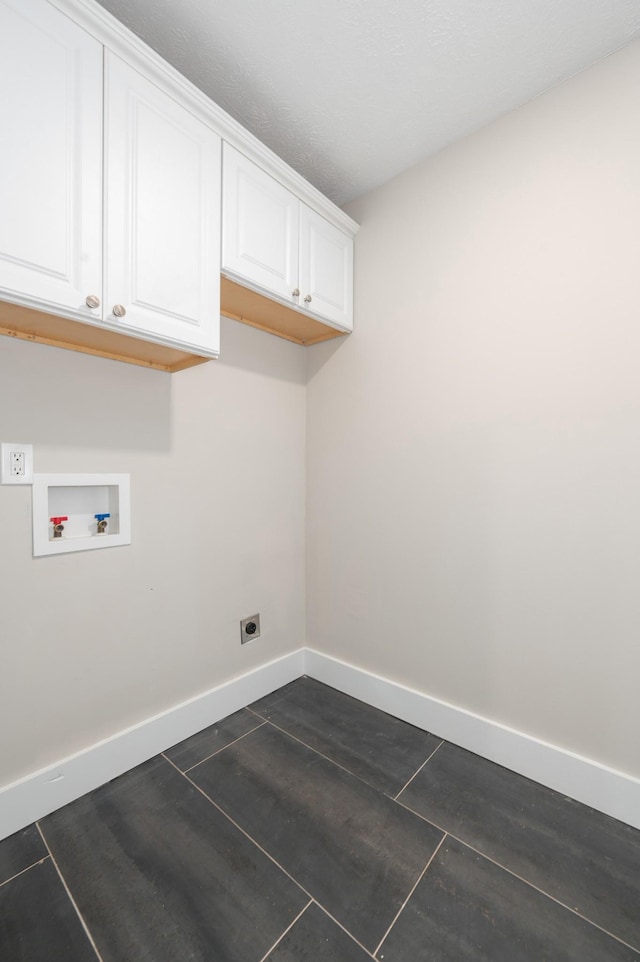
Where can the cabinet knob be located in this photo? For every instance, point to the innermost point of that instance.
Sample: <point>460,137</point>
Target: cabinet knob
<point>296,293</point>
<point>92,301</point>
<point>119,310</point>
<point>307,298</point>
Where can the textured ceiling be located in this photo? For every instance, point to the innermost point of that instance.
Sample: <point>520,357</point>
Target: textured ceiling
<point>351,92</point>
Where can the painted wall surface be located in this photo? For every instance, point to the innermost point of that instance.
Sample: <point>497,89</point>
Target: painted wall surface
<point>95,641</point>
<point>474,449</point>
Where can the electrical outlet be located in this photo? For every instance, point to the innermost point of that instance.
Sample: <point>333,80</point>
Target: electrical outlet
<point>249,629</point>
<point>16,463</point>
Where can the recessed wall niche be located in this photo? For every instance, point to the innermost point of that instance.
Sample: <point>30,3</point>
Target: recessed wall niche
<point>80,512</point>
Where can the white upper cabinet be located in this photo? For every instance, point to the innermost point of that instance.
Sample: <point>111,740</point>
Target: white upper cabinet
<point>276,244</point>
<point>109,189</point>
<point>326,269</point>
<point>162,205</point>
<point>260,227</point>
<point>50,158</point>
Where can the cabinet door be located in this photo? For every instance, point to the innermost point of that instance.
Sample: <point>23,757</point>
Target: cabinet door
<point>162,205</point>
<point>50,158</point>
<point>326,269</point>
<point>259,228</point>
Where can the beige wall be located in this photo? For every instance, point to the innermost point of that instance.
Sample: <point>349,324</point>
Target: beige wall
<point>474,449</point>
<point>93,642</point>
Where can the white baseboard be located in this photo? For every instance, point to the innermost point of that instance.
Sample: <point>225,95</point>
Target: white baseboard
<point>602,788</point>
<point>37,795</point>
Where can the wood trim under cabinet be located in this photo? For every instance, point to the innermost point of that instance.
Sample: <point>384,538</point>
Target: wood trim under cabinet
<point>30,325</point>
<point>237,302</point>
<point>242,304</point>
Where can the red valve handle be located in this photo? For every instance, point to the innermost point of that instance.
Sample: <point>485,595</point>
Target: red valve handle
<point>58,520</point>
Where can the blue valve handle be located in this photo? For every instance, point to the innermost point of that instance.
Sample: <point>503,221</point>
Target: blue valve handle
<point>101,517</point>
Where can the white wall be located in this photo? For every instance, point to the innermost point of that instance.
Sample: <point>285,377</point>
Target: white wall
<point>93,642</point>
<point>474,449</point>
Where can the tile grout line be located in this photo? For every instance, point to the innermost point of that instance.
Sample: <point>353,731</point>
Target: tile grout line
<point>296,738</point>
<point>256,713</point>
<point>402,907</point>
<point>288,929</point>
<point>275,862</point>
<point>218,750</point>
<point>396,797</point>
<point>239,827</point>
<point>71,898</point>
<point>521,878</point>
<point>553,898</point>
<point>22,871</point>
<point>327,759</point>
<point>341,926</point>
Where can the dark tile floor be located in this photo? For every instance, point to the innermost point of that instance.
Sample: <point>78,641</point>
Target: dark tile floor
<point>310,826</point>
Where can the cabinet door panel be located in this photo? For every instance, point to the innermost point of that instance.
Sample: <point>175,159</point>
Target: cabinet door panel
<point>259,227</point>
<point>326,269</point>
<point>50,158</point>
<point>163,213</point>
